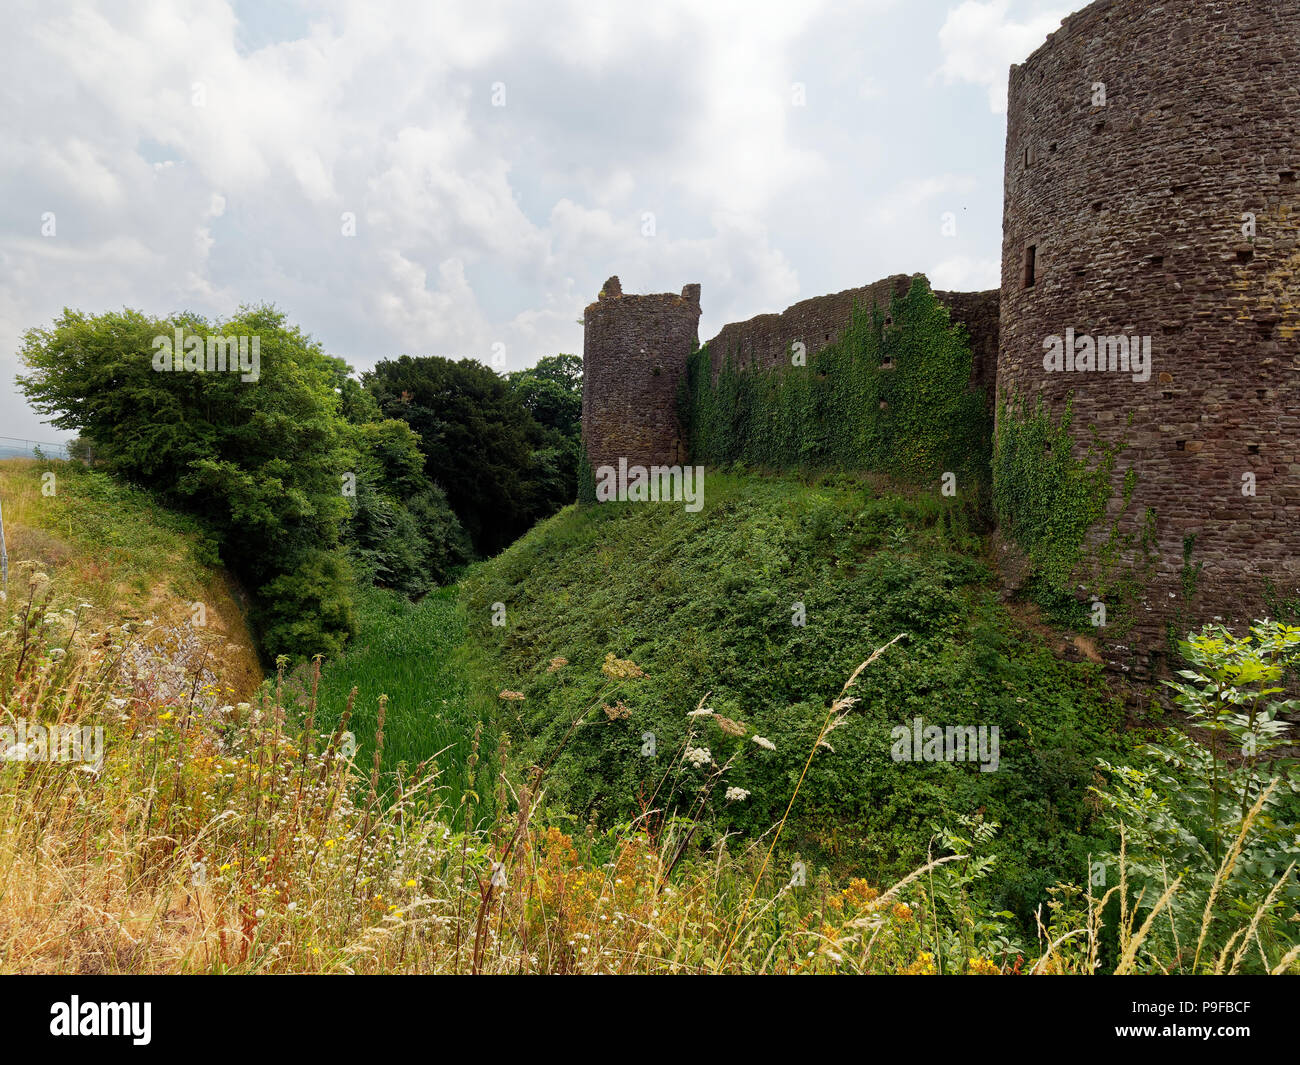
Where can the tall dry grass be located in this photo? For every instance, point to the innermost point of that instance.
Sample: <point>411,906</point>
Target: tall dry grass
<point>229,837</point>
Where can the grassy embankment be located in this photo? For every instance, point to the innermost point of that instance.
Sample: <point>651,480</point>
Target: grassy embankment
<point>238,838</point>
<point>706,605</point>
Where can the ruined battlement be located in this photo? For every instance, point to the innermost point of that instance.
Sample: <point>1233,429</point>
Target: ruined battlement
<point>635,349</point>
<point>1152,195</point>
<point>764,341</point>
<point>634,354</point>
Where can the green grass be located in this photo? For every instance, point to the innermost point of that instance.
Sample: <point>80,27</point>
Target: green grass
<point>409,652</point>
<point>704,604</point>
<point>117,548</point>
<point>119,539</point>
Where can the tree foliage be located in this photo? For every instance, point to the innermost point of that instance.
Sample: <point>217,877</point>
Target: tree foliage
<point>503,450</point>
<point>258,461</point>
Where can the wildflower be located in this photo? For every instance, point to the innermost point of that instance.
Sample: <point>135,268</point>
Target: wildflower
<point>512,696</point>
<point>410,883</point>
<point>166,715</point>
<point>923,966</point>
<point>764,742</point>
<point>557,663</point>
<point>731,728</point>
<point>698,756</point>
<point>703,711</point>
<point>860,892</point>
<point>260,914</point>
<point>621,668</point>
<point>618,712</point>
<point>736,795</point>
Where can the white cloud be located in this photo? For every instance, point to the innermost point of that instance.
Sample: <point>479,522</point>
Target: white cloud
<point>475,224</point>
<point>962,273</point>
<point>908,199</point>
<point>979,41</point>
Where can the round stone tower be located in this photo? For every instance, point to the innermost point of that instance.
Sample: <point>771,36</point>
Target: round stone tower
<point>634,353</point>
<point>1151,192</point>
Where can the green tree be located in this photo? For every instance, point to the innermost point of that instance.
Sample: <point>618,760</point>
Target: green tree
<point>402,532</point>
<point>476,436</point>
<point>551,391</point>
<point>258,456</point>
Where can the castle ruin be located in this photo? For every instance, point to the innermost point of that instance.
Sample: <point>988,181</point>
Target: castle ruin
<point>1151,193</point>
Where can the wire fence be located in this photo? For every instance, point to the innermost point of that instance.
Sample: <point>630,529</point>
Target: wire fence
<point>13,446</point>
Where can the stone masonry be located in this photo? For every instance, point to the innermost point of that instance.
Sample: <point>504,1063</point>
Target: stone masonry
<point>1143,140</point>
<point>765,340</point>
<point>1152,189</point>
<point>634,355</point>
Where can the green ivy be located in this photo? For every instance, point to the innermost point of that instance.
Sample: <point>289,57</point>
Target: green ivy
<point>892,394</point>
<point>1047,500</point>
<point>586,477</point>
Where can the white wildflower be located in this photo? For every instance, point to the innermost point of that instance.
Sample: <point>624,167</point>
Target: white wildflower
<point>764,742</point>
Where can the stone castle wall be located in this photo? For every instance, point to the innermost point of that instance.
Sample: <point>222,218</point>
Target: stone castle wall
<point>766,339</point>
<point>634,355</point>
<point>635,349</point>
<point>1133,205</point>
<point>1152,189</point>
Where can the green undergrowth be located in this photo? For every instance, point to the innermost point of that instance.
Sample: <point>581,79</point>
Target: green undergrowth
<point>412,653</point>
<point>1065,507</point>
<point>892,393</point>
<point>706,605</point>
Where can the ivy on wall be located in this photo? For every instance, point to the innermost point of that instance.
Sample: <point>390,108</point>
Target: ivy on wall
<point>892,394</point>
<point>586,476</point>
<point>1046,500</point>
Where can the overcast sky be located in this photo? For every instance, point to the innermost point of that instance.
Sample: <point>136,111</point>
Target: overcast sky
<point>500,160</point>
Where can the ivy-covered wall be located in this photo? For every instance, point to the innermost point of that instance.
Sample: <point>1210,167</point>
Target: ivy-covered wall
<point>1057,501</point>
<point>892,393</point>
